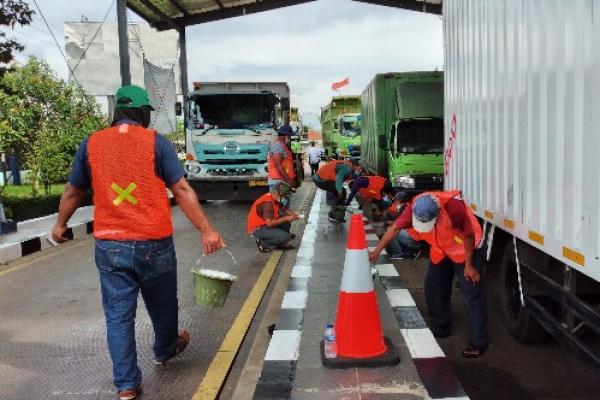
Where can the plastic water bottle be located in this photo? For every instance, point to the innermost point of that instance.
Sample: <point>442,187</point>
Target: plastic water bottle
<point>329,342</point>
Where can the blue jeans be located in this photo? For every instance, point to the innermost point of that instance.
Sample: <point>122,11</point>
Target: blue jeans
<point>403,245</point>
<point>438,289</point>
<point>127,267</point>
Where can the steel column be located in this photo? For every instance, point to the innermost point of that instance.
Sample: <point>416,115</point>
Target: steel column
<point>184,73</point>
<point>123,42</point>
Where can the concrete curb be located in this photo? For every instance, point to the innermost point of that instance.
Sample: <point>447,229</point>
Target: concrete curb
<point>279,366</point>
<point>12,251</point>
<point>433,367</point>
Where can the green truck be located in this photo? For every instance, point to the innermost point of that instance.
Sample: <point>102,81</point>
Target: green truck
<point>403,129</point>
<point>341,126</point>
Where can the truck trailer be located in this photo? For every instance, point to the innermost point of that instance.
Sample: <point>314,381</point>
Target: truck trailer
<point>341,127</point>
<point>229,132</point>
<point>521,119</point>
<point>403,129</point>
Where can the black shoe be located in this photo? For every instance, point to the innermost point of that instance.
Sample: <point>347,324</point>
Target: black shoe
<point>441,334</point>
<point>261,247</point>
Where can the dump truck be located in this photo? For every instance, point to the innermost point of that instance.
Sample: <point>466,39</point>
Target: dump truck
<point>521,143</point>
<point>229,132</point>
<point>341,126</point>
<point>403,129</point>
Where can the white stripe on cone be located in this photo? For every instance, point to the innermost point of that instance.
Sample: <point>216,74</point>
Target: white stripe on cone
<point>357,272</point>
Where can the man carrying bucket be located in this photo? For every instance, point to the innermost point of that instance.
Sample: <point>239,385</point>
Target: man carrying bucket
<point>269,220</point>
<point>128,167</point>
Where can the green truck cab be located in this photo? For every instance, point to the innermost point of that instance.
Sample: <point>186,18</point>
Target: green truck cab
<point>229,132</point>
<point>341,126</point>
<point>403,129</point>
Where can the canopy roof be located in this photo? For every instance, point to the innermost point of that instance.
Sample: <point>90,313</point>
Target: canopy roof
<point>177,14</point>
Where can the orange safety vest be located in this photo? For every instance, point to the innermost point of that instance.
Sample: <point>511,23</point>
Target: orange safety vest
<point>444,239</point>
<point>373,191</point>
<point>130,201</point>
<point>287,163</point>
<point>255,221</point>
<point>327,171</point>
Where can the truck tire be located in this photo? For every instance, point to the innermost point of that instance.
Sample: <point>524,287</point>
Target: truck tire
<point>519,322</point>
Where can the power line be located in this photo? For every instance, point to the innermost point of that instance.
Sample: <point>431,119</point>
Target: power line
<point>59,49</point>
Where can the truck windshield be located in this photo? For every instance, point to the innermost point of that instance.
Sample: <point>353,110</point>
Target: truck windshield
<point>235,111</point>
<point>420,136</point>
<point>350,127</point>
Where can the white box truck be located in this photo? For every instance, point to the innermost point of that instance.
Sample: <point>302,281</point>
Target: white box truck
<point>522,132</point>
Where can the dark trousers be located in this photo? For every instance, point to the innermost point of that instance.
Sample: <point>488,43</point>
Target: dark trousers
<point>332,194</point>
<point>274,237</point>
<point>313,169</point>
<point>438,289</point>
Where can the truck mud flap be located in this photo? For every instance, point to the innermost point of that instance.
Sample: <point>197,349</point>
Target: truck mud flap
<point>575,309</point>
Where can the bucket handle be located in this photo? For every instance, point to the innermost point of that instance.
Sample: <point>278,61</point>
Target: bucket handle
<point>228,252</point>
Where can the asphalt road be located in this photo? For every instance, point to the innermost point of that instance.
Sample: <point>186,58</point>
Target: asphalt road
<point>509,370</point>
<point>52,327</point>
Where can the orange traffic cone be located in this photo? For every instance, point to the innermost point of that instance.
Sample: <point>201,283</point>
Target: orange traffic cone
<point>359,337</point>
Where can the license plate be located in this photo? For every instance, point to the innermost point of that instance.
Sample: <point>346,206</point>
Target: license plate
<point>255,182</point>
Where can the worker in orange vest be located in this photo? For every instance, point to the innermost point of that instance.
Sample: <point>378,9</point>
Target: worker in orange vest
<point>270,218</point>
<point>455,237</point>
<point>331,177</point>
<point>129,167</point>
<point>281,159</point>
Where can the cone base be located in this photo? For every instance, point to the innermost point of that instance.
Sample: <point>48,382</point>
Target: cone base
<point>389,358</point>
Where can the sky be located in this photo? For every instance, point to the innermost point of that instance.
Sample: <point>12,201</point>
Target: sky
<point>309,46</point>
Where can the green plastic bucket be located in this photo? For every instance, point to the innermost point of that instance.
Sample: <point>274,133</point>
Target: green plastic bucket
<point>211,287</point>
<point>338,212</point>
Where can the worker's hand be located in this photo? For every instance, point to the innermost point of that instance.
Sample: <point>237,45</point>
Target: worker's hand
<point>292,217</point>
<point>212,241</point>
<point>374,255</point>
<point>58,233</point>
<point>472,275</point>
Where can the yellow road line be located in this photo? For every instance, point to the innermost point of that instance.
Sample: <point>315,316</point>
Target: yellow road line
<point>29,263</point>
<point>219,368</point>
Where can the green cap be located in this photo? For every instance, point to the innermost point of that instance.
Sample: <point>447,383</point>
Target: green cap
<point>132,97</point>
<point>283,189</point>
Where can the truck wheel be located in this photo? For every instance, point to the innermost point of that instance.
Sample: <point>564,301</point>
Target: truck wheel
<point>520,323</point>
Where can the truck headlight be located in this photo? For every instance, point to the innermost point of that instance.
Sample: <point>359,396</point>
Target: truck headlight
<point>405,182</point>
<point>194,169</point>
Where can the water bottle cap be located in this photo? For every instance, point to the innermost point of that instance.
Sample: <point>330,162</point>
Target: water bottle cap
<point>329,326</point>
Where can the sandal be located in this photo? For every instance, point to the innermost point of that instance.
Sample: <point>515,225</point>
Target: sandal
<point>473,351</point>
<point>286,246</point>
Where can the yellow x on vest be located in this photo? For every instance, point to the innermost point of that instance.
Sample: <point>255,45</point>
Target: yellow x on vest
<point>124,194</point>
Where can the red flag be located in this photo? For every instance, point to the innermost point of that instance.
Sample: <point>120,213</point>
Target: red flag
<point>340,84</point>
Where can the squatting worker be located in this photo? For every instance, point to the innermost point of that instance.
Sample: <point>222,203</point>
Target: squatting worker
<point>331,177</point>
<point>281,159</point>
<point>270,218</point>
<point>452,230</point>
<point>369,188</point>
<point>129,168</point>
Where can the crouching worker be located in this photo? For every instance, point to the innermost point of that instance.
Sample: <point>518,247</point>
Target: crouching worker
<point>270,220</point>
<point>453,232</point>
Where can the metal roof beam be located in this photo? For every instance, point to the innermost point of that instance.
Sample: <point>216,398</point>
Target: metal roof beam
<point>165,20</point>
<point>179,7</point>
<point>415,5</point>
<point>228,12</point>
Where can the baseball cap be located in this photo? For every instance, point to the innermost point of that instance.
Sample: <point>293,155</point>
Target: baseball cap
<point>132,96</point>
<point>285,130</point>
<point>402,196</point>
<point>425,210</point>
<point>283,189</point>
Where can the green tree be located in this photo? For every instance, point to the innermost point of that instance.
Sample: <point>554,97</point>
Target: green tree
<point>43,119</point>
<point>12,12</point>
